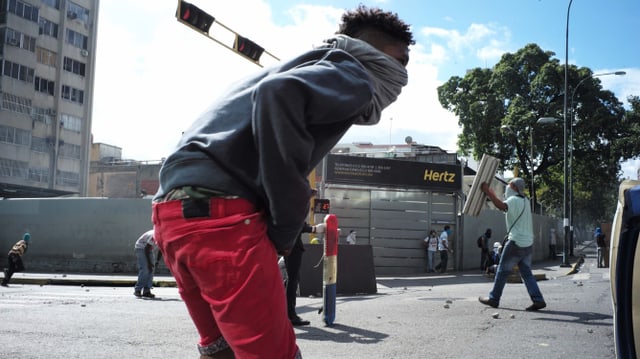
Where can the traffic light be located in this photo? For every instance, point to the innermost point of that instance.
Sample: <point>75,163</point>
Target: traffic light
<point>194,16</point>
<point>248,48</point>
<point>321,206</point>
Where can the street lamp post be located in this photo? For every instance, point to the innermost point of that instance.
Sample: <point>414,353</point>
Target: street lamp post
<point>565,221</point>
<point>573,118</point>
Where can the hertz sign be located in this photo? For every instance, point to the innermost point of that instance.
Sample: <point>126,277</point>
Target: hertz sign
<point>393,173</point>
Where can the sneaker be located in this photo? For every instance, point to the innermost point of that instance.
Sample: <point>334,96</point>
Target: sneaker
<point>297,321</point>
<point>148,294</point>
<point>536,306</point>
<point>488,301</point>
<point>4,284</point>
<point>137,293</point>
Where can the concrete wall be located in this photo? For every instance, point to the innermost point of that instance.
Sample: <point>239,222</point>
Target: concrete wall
<point>76,234</point>
<point>474,227</point>
<point>96,235</point>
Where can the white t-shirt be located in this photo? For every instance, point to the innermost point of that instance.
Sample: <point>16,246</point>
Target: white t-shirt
<point>351,238</point>
<point>432,243</point>
<point>443,243</point>
<point>145,238</point>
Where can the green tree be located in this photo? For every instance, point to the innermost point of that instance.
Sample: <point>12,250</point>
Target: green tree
<point>520,89</point>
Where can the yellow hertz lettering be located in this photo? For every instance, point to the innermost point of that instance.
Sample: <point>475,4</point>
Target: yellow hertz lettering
<point>433,176</point>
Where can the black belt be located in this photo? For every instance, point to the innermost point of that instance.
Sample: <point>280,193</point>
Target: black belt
<point>193,192</point>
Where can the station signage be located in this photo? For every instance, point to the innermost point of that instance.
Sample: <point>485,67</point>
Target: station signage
<point>393,173</point>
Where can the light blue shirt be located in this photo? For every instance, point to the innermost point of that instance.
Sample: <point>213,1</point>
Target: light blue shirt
<point>522,232</point>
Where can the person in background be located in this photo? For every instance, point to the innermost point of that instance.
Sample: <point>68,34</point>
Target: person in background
<point>14,257</point>
<point>292,264</point>
<point>431,244</point>
<point>483,243</point>
<point>519,248</point>
<point>234,194</point>
<point>145,261</point>
<point>443,248</point>
<point>552,244</point>
<point>602,244</point>
<point>494,258</point>
<point>351,238</point>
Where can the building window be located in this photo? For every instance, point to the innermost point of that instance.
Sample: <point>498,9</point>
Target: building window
<point>46,57</point>
<point>13,168</point>
<point>17,71</point>
<point>52,3</point>
<point>39,144</point>
<point>25,11</point>
<point>39,175</point>
<point>15,103</point>
<point>71,123</point>
<point>18,39</point>
<point>69,150</point>
<point>77,39</point>
<point>77,12</point>
<point>15,136</point>
<point>42,115</point>
<point>72,94</point>
<point>65,178</point>
<point>74,66</point>
<point>44,85</point>
<point>48,27</point>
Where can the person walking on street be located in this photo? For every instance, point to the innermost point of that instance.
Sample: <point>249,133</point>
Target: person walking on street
<point>483,243</point>
<point>443,248</point>
<point>292,263</point>
<point>14,257</point>
<point>552,244</point>
<point>234,194</point>
<point>431,244</point>
<point>145,260</point>
<point>602,245</point>
<point>519,248</point>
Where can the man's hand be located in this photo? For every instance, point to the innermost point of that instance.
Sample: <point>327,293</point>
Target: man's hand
<point>484,187</point>
<point>284,252</point>
<point>320,228</point>
<point>150,267</point>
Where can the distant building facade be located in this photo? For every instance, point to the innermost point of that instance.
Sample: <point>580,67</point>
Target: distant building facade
<point>113,177</point>
<point>48,56</point>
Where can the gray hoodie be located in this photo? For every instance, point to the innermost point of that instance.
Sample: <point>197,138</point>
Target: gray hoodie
<point>261,140</point>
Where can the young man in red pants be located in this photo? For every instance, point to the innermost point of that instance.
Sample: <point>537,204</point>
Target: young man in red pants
<point>234,194</point>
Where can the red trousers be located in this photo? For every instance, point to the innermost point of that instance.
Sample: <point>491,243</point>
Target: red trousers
<point>226,270</point>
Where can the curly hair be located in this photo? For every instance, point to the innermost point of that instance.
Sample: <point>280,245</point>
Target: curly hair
<point>369,23</point>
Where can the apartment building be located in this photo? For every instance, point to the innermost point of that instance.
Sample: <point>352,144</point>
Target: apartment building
<point>48,56</point>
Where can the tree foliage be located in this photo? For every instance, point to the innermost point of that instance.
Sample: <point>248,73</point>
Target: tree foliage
<point>498,110</point>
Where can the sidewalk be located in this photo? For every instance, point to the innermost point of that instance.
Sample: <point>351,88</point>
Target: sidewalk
<point>543,270</point>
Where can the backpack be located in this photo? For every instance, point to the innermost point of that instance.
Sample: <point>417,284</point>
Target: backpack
<point>479,242</point>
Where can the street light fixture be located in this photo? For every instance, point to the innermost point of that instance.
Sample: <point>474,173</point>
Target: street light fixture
<point>573,118</point>
<point>565,220</point>
<point>540,121</point>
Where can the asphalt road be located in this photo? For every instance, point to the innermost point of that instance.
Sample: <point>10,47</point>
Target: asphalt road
<point>436,316</point>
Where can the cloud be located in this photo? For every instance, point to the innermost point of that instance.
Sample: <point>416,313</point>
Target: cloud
<point>486,41</point>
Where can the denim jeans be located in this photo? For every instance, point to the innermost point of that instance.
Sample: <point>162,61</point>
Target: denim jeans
<point>145,277</point>
<point>513,255</point>
<point>430,259</point>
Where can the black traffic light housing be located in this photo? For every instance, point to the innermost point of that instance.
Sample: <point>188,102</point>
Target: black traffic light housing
<point>194,16</point>
<point>248,48</point>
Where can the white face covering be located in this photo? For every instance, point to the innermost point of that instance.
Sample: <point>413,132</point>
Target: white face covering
<point>509,192</point>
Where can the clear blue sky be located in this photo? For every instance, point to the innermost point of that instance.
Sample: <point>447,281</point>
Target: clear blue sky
<point>162,74</point>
